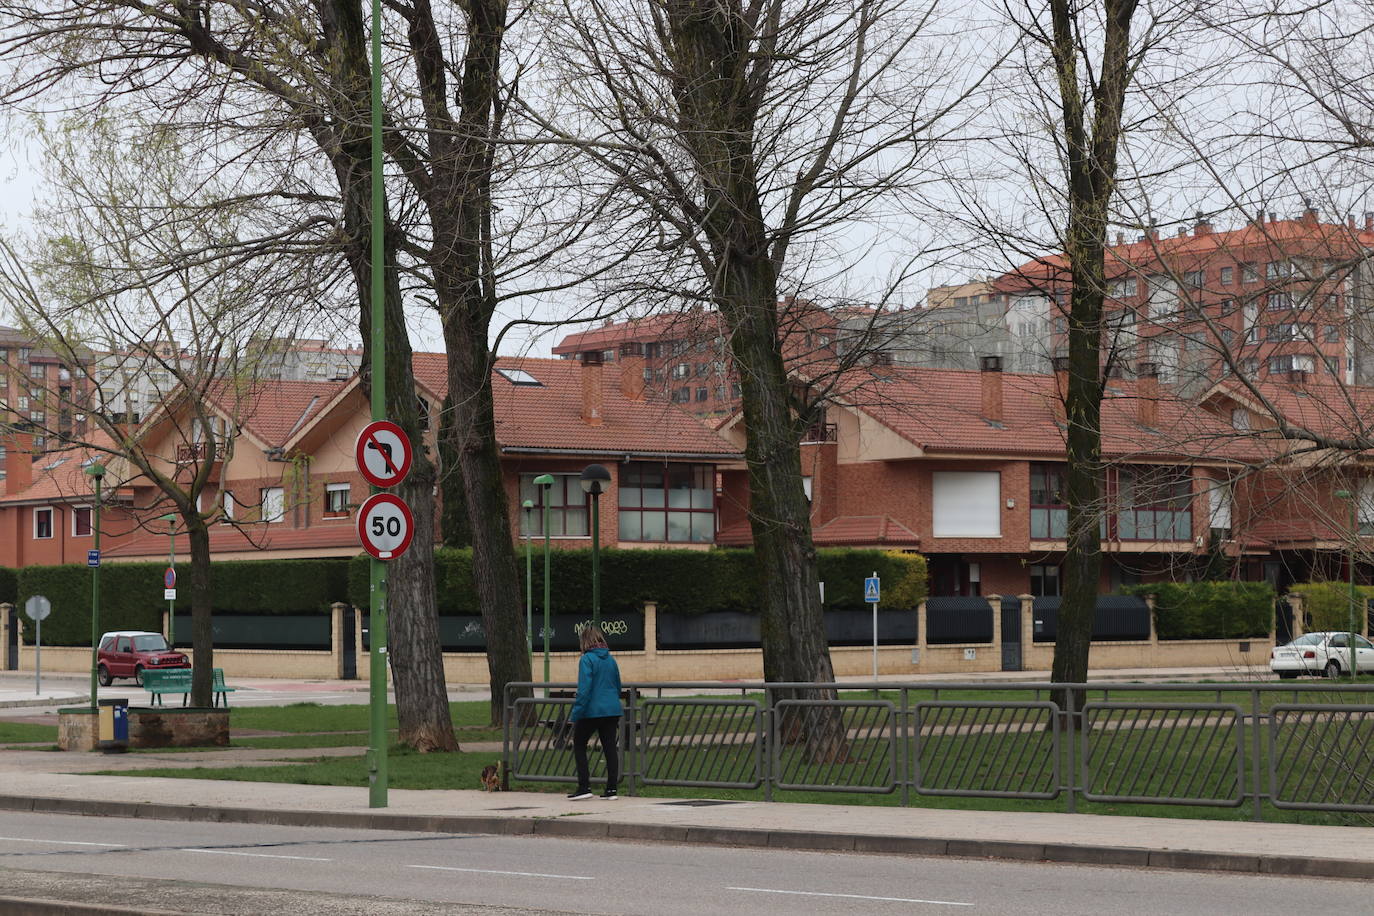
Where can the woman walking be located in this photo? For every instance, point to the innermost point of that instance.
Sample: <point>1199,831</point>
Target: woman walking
<point>596,708</point>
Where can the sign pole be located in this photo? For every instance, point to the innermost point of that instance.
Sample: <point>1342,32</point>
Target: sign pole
<point>875,635</point>
<point>38,660</point>
<point>377,671</point>
<point>171,566</point>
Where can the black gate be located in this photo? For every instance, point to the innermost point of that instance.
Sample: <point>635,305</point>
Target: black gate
<point>350,645</point>
<point>1283,621</point>
<point>1011,634</point>
<point>12,647</point>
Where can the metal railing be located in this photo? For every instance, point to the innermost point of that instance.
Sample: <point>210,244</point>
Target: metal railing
<point>1304,747</point>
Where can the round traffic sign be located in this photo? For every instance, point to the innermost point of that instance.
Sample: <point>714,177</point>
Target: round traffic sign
<point>385,526</point>
<point>169,578</point>
<point>383,453</point>
<point>38,607</point>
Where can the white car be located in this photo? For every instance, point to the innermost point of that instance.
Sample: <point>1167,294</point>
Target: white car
<point>1321,653</point>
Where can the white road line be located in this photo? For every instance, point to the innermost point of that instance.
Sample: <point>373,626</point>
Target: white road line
<point>492,871</point>
<point>24,839</point>
<point>767,890</point>
<point>254,855</point>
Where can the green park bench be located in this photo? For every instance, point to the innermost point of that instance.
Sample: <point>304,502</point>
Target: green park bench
<point>178,680</point>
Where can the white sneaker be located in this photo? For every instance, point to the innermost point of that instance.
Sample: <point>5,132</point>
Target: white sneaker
<point>580,796</point>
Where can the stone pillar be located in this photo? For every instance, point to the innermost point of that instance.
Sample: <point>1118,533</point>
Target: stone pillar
<point>337,637</point>
<point>1154,633</point>
<point>361,661</point>
<point>1027,625</point>
<point>650,637</point>
<point>7,620</point>
<point>921,632</point>
<point>1296,603</point>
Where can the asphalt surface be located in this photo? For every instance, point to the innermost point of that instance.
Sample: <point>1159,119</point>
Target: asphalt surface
<point>45,782</point>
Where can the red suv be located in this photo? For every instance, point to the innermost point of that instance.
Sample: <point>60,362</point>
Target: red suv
<point>128,653</point>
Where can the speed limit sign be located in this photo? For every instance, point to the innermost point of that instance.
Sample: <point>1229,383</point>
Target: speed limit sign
<point>385,526</point>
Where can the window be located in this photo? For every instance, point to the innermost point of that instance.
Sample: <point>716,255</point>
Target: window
<point>567,507</point>
<point>336,500</point>
<point>667,502</point>
<point>1195,278</point>
<point>1048,510</point>
<point>1153,504</point>
<point>1364,505</point>
<point>1279,301</point>
<point>966,504</point>
<point>273,504</point>
<point>1227,275</point>
<point>1044,580</point>
<point>1249,272</point>
<point>42,523</point>
<point>1219,508</point>
<point>1251,319</point>
<point>1291,363</point>
<point>227,504</point>
<point>1331,333</point>
<point>1163,297</point>
<point>81,521</point>
<point>806,488</point>
<point>519,377</point>
<point>1123,287</point>
<point>422,408</point>
<point>703,394</point>
<point>682,370</point>
<point>1240,418</point>
<point>681,395</point>
<point>1276,270</point>
<point>36,370</point>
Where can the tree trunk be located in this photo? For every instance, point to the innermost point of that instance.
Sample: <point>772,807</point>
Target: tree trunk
<point>202,609</point>
<point>414,650</point>
<point>454,528</point>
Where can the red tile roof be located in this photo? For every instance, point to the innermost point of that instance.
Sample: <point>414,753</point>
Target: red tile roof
<point>1337,411</point>
<point>1293,237</point>
<point>59,475</point>
<point>272,410</point>
<point>845,531</point>
<point>688,325</point>
<point>549,415</point>
<point>940,410</point>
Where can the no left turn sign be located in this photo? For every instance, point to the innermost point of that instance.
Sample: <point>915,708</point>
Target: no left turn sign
<point>383,453</point>
<point>385,526</point>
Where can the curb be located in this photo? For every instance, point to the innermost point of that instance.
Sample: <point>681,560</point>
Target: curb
<point>1066,853</point>
<point>45,701</point>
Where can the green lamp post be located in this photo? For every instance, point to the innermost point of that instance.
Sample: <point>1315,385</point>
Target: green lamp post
<point>171,521</point>
<point>96,471</point>
<point>1349,497</point>
<point>595,479</point>
<point>544,482</point>
<point>528,506</point>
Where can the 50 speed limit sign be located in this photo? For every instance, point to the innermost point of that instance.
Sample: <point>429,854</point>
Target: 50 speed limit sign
<point>385,526</point>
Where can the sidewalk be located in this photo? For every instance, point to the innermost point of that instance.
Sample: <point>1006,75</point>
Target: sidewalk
<point>30,784</point>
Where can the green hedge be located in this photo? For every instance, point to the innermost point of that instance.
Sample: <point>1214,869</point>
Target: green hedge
<point>1327,604</point>
<point>131,593</point>
<point>682,581</point>
<point>9,585</point>
<point>1210,610</point>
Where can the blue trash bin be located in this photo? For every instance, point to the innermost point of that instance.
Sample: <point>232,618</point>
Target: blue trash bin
<point>113,725</point>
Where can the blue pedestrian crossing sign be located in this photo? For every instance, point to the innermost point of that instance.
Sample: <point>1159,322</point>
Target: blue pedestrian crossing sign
<point>871,590</point>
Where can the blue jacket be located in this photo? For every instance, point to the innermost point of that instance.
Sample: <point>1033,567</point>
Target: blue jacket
<point>598,686</point>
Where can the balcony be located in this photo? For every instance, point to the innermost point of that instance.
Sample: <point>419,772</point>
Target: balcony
<point>820,432</point>
<point>189,458</point>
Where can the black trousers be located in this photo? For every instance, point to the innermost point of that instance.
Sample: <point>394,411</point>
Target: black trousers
<point>607,728</point>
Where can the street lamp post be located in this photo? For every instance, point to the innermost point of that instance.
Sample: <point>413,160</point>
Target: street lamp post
<point>544,482</point>
<point>171,521</point>
<point>97,472</point>
<point>594,479</point>
<point>1349,497</point>
<point>528,506</point>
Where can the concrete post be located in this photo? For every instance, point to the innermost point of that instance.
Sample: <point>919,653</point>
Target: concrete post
<point>995,604</point>
<point>337,637</point>
<point>920,632</point>
<point>7,620</point>
<point>1154,634</point>
<point>1299,612</point>
<point>651,637</point>
<point>364,671</point>
<point>1027,629</point>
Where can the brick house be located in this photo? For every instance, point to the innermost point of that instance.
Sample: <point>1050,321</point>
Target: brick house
<point>968,468</point>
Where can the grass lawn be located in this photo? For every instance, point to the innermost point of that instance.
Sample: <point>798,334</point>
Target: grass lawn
<point>26,733</point>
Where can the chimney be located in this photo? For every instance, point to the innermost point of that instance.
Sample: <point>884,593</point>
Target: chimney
<point>1273,217</point>
<point>1309,213</point>
<point>1369,221</point>
<point>991,376</point>
<point>1061,386</point>
<point>1182,232</point>
<point>18,462</point>
<point>1297,378</point>
<point>632,377</point>
<point>1121,238</point>
<point>1147,395</point>
<point>1350,222</point>
<point>1201,226</point>
<point>592,394</point>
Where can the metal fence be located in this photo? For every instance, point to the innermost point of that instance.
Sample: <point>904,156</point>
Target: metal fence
<point>1307,746</point>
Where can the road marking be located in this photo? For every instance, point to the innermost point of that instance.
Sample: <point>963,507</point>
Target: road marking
<point>24,839</point>
<point>255,855</point>
<point>767,890</point>
<point>492,871</point>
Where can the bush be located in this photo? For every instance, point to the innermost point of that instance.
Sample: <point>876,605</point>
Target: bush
<point>1210,610</point>
<point>131,593</point>
<point>679,581</point>
<point>1327,604</point>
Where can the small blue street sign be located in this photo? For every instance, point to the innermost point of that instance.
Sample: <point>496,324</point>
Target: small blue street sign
<point>92,558</point>
<point>871,589</point>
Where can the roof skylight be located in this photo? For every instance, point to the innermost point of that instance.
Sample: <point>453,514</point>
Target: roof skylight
<point>519,377</point>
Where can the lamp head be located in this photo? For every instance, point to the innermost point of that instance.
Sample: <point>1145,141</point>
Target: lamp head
<point>1343,494</point>
<point>594,479</point>
<point>544,480</point>
<point>96,470</point>
<point>527,505</point>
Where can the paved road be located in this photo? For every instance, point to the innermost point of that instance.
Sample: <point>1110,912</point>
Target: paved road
<point>188,867</point>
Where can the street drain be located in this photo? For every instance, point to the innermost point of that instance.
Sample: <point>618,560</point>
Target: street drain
<point>699,803</point>
<point>517,808</point>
